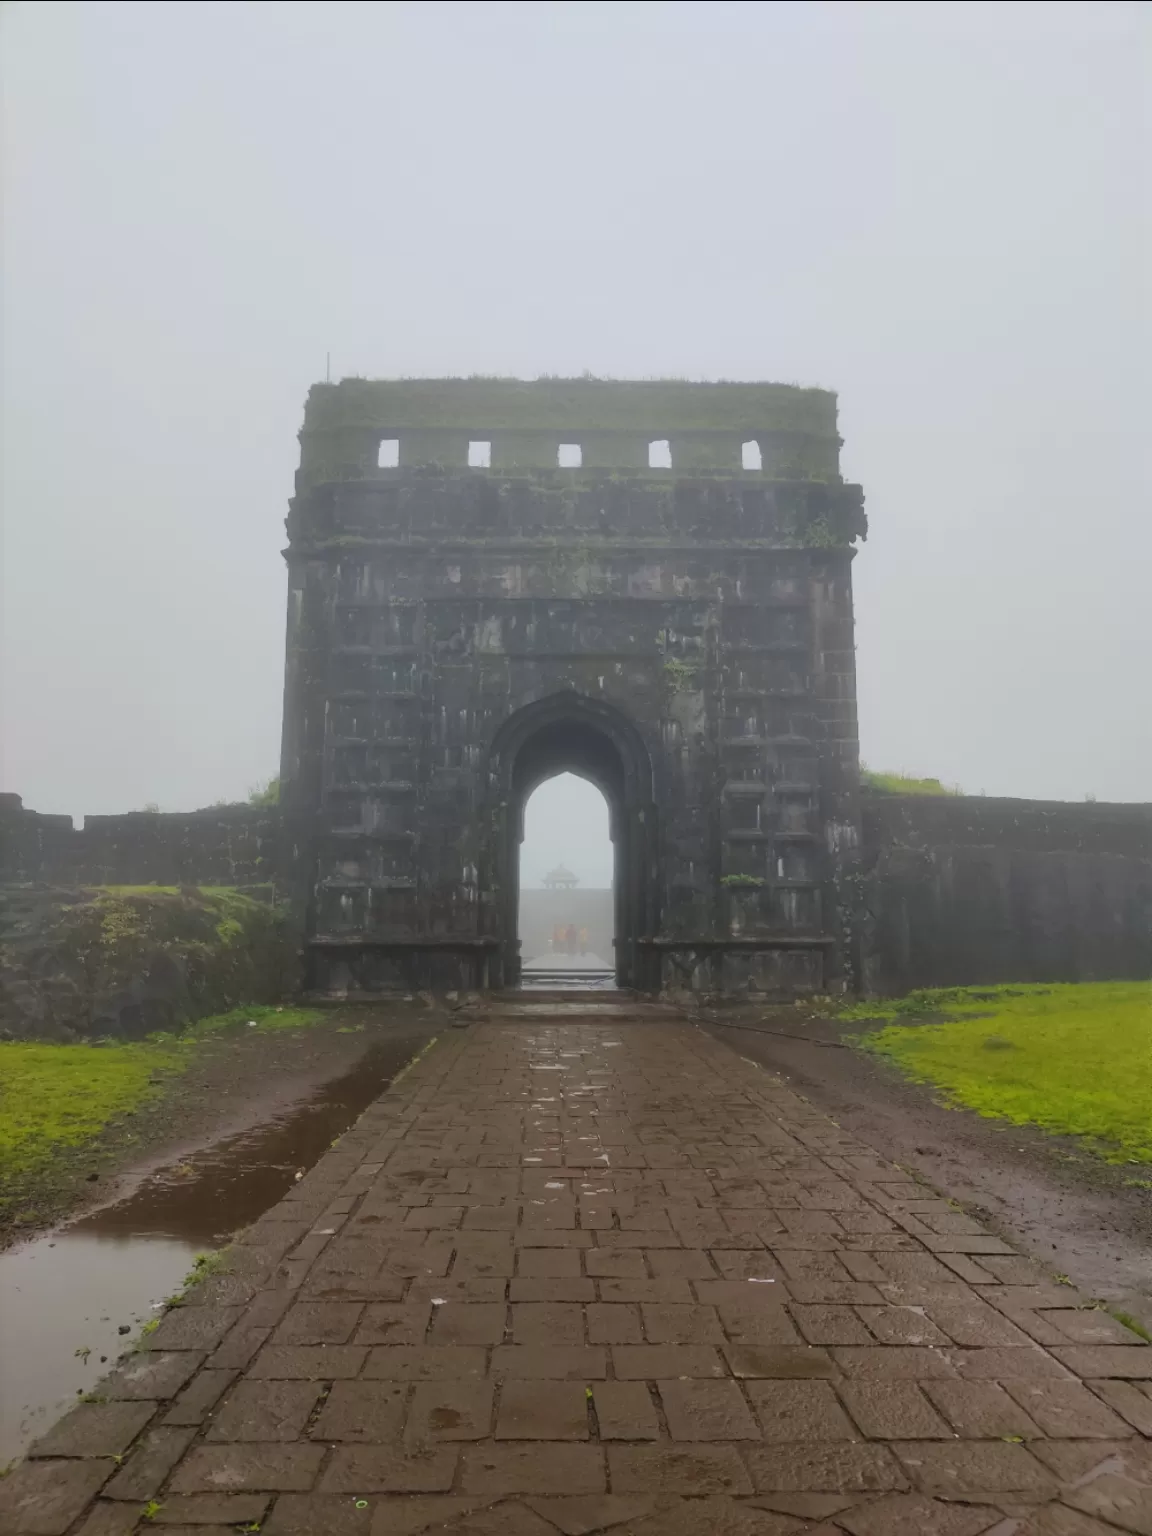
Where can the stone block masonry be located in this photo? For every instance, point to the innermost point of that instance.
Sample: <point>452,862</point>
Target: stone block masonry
<point>576,1276</point>
<point>963,890</point>
<point>233,845</point>
<point>682,636</point>
<point>953,890</point>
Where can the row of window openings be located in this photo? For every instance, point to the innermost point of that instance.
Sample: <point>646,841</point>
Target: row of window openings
<point>568,455</point>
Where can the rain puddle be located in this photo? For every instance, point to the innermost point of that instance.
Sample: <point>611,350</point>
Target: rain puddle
<point>71,1300</point>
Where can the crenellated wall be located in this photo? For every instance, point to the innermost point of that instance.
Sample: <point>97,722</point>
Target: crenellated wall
<point>225,845</point>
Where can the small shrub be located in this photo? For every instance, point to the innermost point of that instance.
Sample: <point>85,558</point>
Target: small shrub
<point>903,784</point>
<point>683,676</point>
<point>265,794</point>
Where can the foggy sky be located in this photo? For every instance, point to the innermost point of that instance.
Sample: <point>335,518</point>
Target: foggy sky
<point>566,822</point>
<point>939,210</point>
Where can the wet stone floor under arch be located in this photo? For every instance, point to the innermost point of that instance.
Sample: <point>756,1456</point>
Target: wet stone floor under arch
<point>585,1269</point>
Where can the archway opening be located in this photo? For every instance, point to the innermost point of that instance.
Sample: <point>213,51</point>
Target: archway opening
<point>567,919</point>
<point>569,734</point>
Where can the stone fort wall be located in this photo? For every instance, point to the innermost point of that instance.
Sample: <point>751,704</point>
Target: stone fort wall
<point>491,581</point>
<point>224,845</point>
<point>959,890</point>
<point>954,891</point>
<point>541,912</point>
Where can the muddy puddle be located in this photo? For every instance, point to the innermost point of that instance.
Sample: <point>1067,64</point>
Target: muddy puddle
<point>71,1301</point>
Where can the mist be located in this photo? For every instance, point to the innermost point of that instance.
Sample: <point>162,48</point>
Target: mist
<point>566,823</point>
<point>939,210</point>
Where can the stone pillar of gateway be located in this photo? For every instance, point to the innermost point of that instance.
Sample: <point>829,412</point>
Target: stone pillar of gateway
<point>648,584</point>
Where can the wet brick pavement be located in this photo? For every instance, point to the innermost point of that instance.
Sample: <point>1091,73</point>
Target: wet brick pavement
<point>578,1275</point>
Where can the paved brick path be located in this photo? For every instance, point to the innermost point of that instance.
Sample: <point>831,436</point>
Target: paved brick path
<point>609,1276</point>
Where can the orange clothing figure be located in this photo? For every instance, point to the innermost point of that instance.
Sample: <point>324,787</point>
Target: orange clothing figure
<point>583,941</point>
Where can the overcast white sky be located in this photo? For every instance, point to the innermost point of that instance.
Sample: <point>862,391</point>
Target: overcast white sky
<point>566,822</point>
<point>940,210</point>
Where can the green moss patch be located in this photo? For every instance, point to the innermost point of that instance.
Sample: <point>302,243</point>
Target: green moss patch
<point>903,784</point>
<point>1071,1059</point>
<point>132,913</point>
<point>126,962</point>
<point>261,1016</point>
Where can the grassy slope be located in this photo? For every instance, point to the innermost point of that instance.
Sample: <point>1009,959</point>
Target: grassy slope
<point>1068,1058</point>
<point>55,1100</point>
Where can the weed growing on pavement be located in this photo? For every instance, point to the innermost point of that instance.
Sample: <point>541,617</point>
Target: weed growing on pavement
<point>1132,1325</point>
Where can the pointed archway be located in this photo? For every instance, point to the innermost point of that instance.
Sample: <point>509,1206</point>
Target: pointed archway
<point>568,732</point>
<point>567,871</point>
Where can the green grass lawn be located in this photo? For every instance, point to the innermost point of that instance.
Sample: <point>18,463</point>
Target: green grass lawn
<point>56,1099</point>
<point>1070,1059</point>
<point>62,1096</point>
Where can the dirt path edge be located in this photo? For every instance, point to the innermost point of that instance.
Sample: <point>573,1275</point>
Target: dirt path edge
<point>1044,1194</point>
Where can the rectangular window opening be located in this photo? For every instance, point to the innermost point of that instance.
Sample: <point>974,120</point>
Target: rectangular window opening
<point>660,454</point>
<point>570,456</point>
<point>750,455</point>
<point>389,455</point>
<point>479,455</point>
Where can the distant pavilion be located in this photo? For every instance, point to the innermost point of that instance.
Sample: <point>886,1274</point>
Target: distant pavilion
<point>561,879</point>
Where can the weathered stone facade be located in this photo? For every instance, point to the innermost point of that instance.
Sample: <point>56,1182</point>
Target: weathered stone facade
<point>952,890</point>
<point>234,845</point>
<point>682,637</point>
<point>959,890</point>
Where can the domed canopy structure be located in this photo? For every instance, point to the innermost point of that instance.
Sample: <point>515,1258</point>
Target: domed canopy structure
<point>561,879</point>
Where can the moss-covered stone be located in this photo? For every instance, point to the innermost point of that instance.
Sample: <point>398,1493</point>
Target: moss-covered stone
<point>125,961</point>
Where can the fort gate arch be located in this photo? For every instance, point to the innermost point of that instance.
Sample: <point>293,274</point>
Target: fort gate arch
<point>682,635</point>
<point>569,732</point>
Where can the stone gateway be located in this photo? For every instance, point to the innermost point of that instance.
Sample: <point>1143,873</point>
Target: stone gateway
<point>647,584</point>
